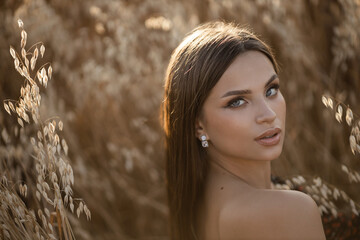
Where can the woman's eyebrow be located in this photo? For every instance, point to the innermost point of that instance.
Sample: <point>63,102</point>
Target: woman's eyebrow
<point>244,92</point>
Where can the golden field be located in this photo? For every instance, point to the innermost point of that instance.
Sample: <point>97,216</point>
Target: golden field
<point>108,62</point>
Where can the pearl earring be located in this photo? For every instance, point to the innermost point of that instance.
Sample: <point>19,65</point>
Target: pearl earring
<point>204,141</point>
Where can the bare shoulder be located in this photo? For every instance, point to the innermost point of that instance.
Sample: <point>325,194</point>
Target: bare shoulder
<point>271,214</point>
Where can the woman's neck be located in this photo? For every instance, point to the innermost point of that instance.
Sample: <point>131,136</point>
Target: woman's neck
<point>255,173</point>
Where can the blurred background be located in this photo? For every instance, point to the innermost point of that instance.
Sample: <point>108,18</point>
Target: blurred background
<point>109,59</point>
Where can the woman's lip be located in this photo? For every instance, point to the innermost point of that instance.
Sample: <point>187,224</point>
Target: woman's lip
<point>269,133</point>
<point>269,141</point>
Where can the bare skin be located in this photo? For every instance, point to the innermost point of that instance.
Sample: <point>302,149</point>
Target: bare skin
<point>232,209</point>
<point>238,201</point>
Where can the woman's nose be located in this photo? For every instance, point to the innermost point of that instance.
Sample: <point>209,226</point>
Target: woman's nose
<point>265,113</point>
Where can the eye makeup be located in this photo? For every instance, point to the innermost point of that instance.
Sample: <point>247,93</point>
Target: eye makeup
<point>245,92</point>
<point>236,102</point>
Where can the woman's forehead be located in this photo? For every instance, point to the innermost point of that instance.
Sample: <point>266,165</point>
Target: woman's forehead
<point>250,70</point>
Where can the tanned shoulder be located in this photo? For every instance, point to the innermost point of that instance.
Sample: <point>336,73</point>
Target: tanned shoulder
<point>271,214</point>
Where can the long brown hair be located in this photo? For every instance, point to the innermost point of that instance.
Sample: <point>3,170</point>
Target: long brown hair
<point>196,65</point>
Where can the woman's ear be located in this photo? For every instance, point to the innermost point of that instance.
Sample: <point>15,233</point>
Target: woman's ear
<point>199,128</point>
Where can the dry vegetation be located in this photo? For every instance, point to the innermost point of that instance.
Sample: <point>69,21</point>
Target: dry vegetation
<point>108,60</point>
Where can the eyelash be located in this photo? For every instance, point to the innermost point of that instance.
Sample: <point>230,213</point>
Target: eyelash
<point>231,103</point>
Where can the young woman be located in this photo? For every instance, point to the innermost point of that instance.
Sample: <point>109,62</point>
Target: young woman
<point>224,119</point>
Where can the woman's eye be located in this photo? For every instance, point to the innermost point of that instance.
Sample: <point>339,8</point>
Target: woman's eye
<point>274,89</point>
<point>236,103</point>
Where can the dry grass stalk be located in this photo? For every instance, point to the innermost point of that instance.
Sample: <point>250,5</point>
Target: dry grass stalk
<point>112,61</point>
<point>354,123</point>
<point>50,153</point>
<point>326,195</point>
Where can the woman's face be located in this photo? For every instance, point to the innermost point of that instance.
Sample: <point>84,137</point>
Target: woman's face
<point>232,119</point>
